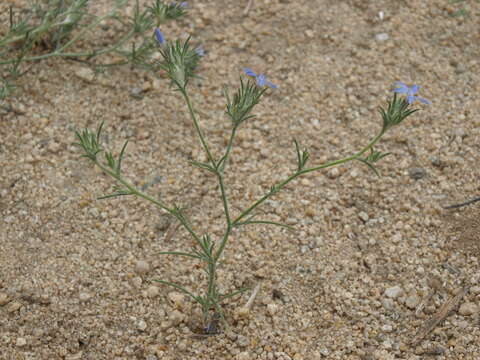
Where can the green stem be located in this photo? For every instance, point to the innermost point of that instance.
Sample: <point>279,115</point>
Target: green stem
<point>212,271</point>
<point>223,243</point>
<point>347,159</point>
<point>33,31</point>
<point>224,198</point>
<point>59,51</point>
<point>306,171</point>
<point>229,147</point>
<point>218,172</point>
<point>197,127</point>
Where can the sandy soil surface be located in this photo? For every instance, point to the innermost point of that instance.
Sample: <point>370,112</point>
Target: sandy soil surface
<point>377,269</point>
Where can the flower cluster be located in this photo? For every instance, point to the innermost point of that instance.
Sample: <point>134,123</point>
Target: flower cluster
<point>179,60</point>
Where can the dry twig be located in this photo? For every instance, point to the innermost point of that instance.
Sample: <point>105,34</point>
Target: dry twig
<point>440,315</point>
<point>248,7</point>
<point>250,301</point>
<point>456,206</point>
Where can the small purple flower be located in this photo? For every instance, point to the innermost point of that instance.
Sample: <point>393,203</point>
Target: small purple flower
<point>261,78</point>
<point>410,91</point>
<point>183,4</point>
<point>159,36</point>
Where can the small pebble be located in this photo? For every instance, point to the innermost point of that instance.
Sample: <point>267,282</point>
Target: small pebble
<point>142,267</point>
<point>243,356</point>
<point>387,328</point>
<point>291,221</point>
<point>14,306</point>
<point>136,93</point>
<point>412,301</point>
<point>417,173</point>
<point>333,173</point>
<point>474,290</point>
<point>310,34</point>
<point>435,160</point>
<point>436,350</point>
<point>241,313</point>
<point>468,308</point>
<point>177,299</point>
<point>85,74</point>
<point>324,352</point>
<point>388,304</point>
<point>176,317</point>
<point>394,292</point>
<point>363,216</point>
<point>3,299</point>
<point>462,325</point>
<point>459,132</point>
<point>242,341</point>
<point>153,291</point>
<point>452,342</point>
<point>272,309</point>
<point>83,296</point>
<point>306,182</point>
<point>396,238</point>
<point>137,281</point>
<point>382,37</point>
<point>142,325</point>
<point>21,342</point>
<point>77,356</point>
<point>9,219</point>
<point>387,344</point>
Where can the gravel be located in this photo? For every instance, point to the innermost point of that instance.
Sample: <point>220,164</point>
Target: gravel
<point>77,272</point>
<point>394,292</point>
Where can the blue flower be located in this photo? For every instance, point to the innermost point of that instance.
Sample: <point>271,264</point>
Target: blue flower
<point>261,78</point>
<point>410,91</point>
<point>159,36</point>
<point>183,4</point>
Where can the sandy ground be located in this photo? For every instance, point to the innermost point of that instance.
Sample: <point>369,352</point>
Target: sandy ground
<point>377,269</point>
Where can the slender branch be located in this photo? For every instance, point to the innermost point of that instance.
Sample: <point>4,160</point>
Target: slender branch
<point>229,148</point>
<point>197,127</point>
<point>224,199</point>
<point>212,277</point>
<point>223,243</point>
<point>347,159</point>
<point>218,173</point>
<point>455,206</point>
<point>305,171</point>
